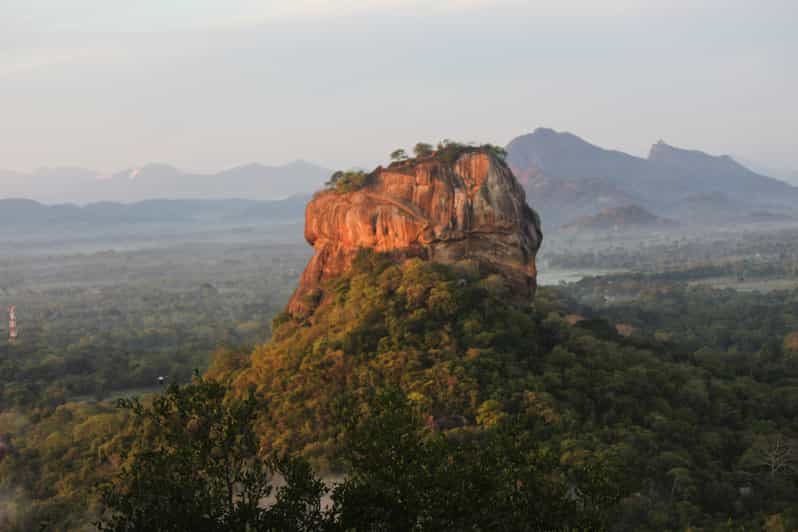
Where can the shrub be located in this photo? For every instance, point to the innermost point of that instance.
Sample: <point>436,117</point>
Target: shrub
<point>398,155</point>
<point>348,181</point>
<point>422,149</point>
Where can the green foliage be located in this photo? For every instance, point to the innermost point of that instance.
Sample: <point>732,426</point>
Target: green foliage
<point>699,405</point>
<point>409,325</point>
<point>398,155</point>
<point>496,151</point>
<point>449,151</point>
<point>422,149</point>
<point>693,419</point>
<point>462,351</point>
<point>106,325</point>
<point>195,466</point>
<point>759,254</point>
<point>403,476</point>
<point>349,181</point>
<point>369,262</point>
<point>99,324</point>
<point>58,455</point>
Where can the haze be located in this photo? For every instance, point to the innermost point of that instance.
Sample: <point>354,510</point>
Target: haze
<point>398,265</point>
<point>207,85</point>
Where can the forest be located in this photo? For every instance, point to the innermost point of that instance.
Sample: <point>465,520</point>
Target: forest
<point>635,401</point>
<point>95,326</point>
<point>101,323</point>
<point>766,250</point>
<point>378,266</point>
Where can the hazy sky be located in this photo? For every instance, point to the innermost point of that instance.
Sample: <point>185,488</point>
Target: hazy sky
<point>207,84</point>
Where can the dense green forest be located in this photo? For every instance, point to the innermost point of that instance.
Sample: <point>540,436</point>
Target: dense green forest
<point>103,323</point>
<point>758,251</point>
<point>693,435</point>
<point>683,397</point>
<point>199,468</point>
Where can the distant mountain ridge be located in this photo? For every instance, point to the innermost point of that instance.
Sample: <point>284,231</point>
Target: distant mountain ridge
<point>777,170</point>
<point>26,213</point>
<point>567,177</point>
<point>162,181</point>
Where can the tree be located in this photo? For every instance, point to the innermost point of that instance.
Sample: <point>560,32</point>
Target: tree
<point>496,151</point>
<point>405,476</point>
<point>195,466</point>
<point>774,452</point>
<point>348,181</point>
<point>422,149</point>
<point>334,178</point>
<point>398,155</point>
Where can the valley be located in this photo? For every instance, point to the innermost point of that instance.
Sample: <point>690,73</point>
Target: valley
<point>398,266</point>
<point>631,339</point>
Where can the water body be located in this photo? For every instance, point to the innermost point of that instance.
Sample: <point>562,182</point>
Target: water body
<point>554,277</point>
<point>760,285</point>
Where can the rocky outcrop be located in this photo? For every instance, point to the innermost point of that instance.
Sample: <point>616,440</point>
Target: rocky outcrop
<point>468,207</point>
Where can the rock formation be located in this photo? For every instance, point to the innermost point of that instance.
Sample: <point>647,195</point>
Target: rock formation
<point>444,209</point>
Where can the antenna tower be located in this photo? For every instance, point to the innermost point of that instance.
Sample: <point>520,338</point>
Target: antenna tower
<point>12,322</point>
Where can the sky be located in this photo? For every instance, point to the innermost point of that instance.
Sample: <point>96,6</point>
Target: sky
<point>206,85</point>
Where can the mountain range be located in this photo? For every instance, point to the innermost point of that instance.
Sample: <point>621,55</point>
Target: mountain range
<point>779,171</point>
<point>567,178</point>
<point>162,181</point>
<point>24,214</point>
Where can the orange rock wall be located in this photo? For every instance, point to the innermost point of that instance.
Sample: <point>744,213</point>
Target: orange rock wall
<point>472,209</point>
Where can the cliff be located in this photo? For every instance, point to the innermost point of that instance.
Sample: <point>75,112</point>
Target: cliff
<point>466,205</point>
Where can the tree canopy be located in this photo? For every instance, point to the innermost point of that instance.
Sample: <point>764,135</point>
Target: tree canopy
<point>196,466</point>
<point>422,149</point>
<point>347,181</point>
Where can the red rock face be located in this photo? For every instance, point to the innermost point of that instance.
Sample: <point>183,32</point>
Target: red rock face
<point>473,209</point>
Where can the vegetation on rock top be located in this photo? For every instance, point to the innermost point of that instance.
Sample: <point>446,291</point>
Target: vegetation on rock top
<point>447,151</point>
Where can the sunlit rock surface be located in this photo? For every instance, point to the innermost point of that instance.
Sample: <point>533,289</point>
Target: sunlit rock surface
<point>472,208</point>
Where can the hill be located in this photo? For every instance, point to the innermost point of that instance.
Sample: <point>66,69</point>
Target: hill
<point>679,404</point>
<point>471,357</point>
<point>472,354</point>
<point>459,203</point>
<point>569,177</point>
<point>20,214</point>
<point>162,181</point>
<point>629,217</point>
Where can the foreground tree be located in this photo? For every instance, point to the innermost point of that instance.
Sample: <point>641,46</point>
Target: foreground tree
<point>196,467</point>
<point>406,476</point>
